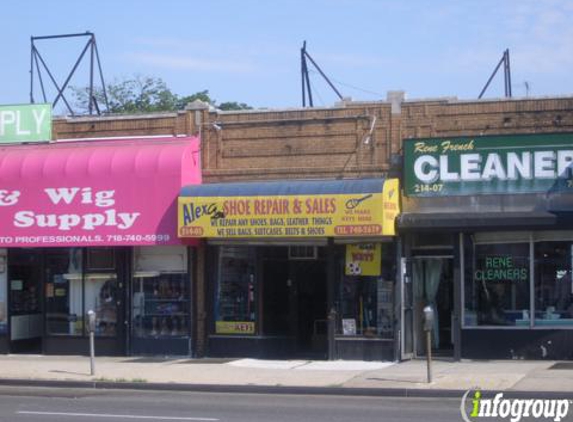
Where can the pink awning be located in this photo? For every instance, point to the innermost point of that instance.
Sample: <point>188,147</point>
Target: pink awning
<point>95,193</point>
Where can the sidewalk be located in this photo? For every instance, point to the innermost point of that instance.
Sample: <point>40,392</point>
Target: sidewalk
<point>249,375</point>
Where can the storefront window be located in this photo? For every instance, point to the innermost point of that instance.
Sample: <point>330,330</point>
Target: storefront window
<point>497,291</point>
<point>235,304</point>
<point>553,284</point>
<point>160,300</point>
<point>63,289</point>
<point>367,295</point>
<point>101,290</point>
<point>101,295</point>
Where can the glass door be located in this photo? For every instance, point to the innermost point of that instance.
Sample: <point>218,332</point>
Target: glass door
<point>104,293</point>
<point>25,309</point>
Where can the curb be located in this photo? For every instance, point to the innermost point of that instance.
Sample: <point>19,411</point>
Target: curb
<point>286,390</point>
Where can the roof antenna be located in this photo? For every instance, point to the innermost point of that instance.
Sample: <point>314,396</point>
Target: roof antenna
<point>306,80</point>
<point>506,74</point>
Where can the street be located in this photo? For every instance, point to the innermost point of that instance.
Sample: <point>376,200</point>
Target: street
<point>46,405</point>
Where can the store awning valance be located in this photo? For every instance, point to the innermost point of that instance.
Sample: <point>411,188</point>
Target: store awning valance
<point>95,193</point>
<point>290,209</point>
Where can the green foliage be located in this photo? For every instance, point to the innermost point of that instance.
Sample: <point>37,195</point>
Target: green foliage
<point>233,105</point>
<point>201,95</point>
<point>144,94</point>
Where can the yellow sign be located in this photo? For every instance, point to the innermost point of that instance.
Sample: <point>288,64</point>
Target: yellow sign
<point>234,327</point>
<point>325,215</point>
<point>363,259</point>
<point>391,204</point>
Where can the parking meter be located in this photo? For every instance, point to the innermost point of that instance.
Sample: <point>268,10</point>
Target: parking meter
<point>428,326</point>
<point>428,318</point>
<point>91,321</point>
<point>91,329</point>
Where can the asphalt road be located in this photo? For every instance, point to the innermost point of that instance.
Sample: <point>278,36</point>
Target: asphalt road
<point>61,405</point>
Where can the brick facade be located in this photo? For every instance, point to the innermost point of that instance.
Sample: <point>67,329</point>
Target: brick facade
<point>328,142</point>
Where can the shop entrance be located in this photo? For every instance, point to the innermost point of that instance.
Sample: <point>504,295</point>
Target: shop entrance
<point>294,303</point>
<point>50,290</point>
<point>433,286</point>
<point>25,288</point>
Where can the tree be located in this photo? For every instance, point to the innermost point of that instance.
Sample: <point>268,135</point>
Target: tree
<point>201,95</point>
<point>233,105</point>
<point>144,94</point>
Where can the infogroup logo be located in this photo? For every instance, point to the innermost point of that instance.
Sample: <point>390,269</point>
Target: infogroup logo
<point>513,409</point>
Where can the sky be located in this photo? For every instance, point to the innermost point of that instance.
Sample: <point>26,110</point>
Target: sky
<point>249,50</point>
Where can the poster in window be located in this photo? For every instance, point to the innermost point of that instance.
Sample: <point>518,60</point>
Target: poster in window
<point>349,326</point>
<point>363,259</point>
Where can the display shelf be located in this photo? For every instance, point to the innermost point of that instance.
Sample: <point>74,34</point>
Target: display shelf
<point>160,306</point>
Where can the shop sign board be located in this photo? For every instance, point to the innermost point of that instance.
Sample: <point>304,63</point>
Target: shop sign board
<point>363,259</point>
<point>292,216</point>
<point>78,215</point>
<point>488,165</point>
<point>234,327</point>
<point>25,123</point>
<point>99,195</point>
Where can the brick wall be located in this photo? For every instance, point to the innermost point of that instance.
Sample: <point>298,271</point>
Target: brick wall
<point>330,142</point>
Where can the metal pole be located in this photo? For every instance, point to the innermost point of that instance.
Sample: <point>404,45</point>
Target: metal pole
<point>32,72</point>
<point>101,77</point>
<point>429,354</point>
<point>307,78</point>
<point>50,37</point>
<point>91,88</point>
<point>507,74</point>
<point>302,72</point>
<point>323,75</point>
<point>40,77</point>
<point>491,77</point>
<point>92,353</point>
<point>61,91</point>
<point>92,328</point>
<point>38,56</point>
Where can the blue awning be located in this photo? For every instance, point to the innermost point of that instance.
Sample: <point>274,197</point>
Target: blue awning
<point>285,188</point>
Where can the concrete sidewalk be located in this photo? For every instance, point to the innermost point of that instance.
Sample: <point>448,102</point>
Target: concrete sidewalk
<point>409,378</point>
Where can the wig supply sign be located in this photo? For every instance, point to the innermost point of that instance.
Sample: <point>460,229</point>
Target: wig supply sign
<point>488,165</point>
<point>79,216</point>
<point>288,216</point>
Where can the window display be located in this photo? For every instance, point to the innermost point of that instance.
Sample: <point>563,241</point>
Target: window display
<point>498,281</point>
<point>235,307</point>
<point>497,293</point>
<point>101,295</point>
<point>160,305</point>
<point>366,306</point>
<point>160,293</point>
<point>553,284</point>
<point>63,289</point>
<point>25,282</point>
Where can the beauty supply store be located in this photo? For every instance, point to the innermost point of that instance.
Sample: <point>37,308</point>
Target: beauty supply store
<point>488,229</point>
<point>92,225</point>
<point>297,268</point>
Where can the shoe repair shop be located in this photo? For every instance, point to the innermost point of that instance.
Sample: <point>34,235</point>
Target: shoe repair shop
<point>487,226</point>
<point>92,225</point>
<point>297,268</point>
